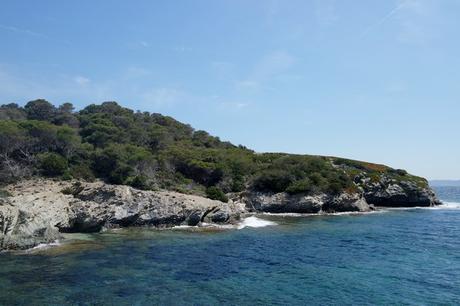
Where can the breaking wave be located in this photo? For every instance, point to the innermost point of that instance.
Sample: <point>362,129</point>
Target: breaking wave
<point>255,222</point>
<point>380,210</point>
<point>251,221</point>
<point>43,246</point>
<point>444,206</point>
<point>448,205</point>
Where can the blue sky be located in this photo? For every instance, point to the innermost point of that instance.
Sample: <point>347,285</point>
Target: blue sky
<point>368,80</point>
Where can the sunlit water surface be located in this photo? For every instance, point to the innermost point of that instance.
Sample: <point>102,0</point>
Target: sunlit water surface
<point>392,257</point>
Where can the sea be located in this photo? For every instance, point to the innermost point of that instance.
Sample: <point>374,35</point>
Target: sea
<point>388,257</point>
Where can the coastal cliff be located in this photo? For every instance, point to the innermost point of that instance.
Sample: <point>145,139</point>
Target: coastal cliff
<point>304,203</point>
<point>107,166</point>
<point>391,193</point>
<point>38,211</point>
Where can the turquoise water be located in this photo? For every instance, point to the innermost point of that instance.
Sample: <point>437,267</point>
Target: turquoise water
<point>395,257</point>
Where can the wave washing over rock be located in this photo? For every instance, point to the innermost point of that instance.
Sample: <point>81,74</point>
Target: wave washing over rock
<point>449,205</point>
<point>255,222</point>
<point>443,206</point>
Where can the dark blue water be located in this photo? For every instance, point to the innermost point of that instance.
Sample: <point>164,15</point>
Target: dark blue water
<point>397,257</point>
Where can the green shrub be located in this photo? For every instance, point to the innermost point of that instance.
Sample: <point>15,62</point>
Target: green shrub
<point>335,187</point>
<point>120,174</point>
<point>82,172</point>
<point>66,176</point>
<point>52,164</point>
<point>215,193</point>
<point>303,185</point>
<point>75,189</point>
<point>139,182</point>
<point>400,172</point>
<point>237,184</point>
<point>4,193</point>
<point>275,180</point>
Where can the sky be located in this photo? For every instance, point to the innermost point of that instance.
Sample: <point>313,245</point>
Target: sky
<point>368,80</point>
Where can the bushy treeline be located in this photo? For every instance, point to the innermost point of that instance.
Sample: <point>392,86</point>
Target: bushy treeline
<point>147,151</point>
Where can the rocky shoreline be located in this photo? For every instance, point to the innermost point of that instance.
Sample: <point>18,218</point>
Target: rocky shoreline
<point>38,211</point>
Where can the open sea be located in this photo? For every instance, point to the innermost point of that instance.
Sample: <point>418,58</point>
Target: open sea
<point>397,257</point>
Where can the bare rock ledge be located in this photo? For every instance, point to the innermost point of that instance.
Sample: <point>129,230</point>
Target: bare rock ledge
<point>38,211</point>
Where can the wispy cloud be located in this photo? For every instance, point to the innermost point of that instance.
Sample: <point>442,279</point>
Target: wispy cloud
<point>123,88</point>
<point>30,33</point>
<point>247,84</point>
<point>274,63</point>
<point>22,88</point>
<point>22,31</point>
<point>82,81</point>
<point>325,12</point>
<point>396,87</point>
<point>162,97</point>
<point>135,72</point>
<point>272,8</point>
<point>382,20</point>
<point>223,69</point>
<point>412,18</point>
<point>182,49</point>
<point>270,66</point>
<point>234,105</point>
<point>416,19</point>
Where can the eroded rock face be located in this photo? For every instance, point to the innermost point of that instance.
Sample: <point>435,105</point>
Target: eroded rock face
<point>38,210</point>
<point>303,203</point>
<point>346,202</point>
<point>99,204</point>
<point>387,192</point>
<point>21,230</point>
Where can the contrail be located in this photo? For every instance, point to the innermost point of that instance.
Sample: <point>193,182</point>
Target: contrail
<point>384,19</point>
<point>30,33</point>
<point>22,31</point>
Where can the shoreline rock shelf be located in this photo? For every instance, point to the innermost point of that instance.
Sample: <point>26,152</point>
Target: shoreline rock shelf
<point>38,211</point>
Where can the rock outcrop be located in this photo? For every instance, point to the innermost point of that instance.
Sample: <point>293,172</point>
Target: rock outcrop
<point>385,192</point>
<point>388,192</point>
<point>38,210</point>
<point>20,229</point>
<point>304,203</point>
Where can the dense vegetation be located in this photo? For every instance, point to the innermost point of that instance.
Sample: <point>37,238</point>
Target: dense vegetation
<point>152,151</point>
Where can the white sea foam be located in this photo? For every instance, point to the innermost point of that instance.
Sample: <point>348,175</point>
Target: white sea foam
<point>255,222</point>
<point>289,214</point>
<point>350,213</point>
<point>302,215</point>
<point>42,246</point>
<point>445,205</point>
<point>221,226</point>
<point>182,227</point>
<point>251,221</point>
<point>448,205</point>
